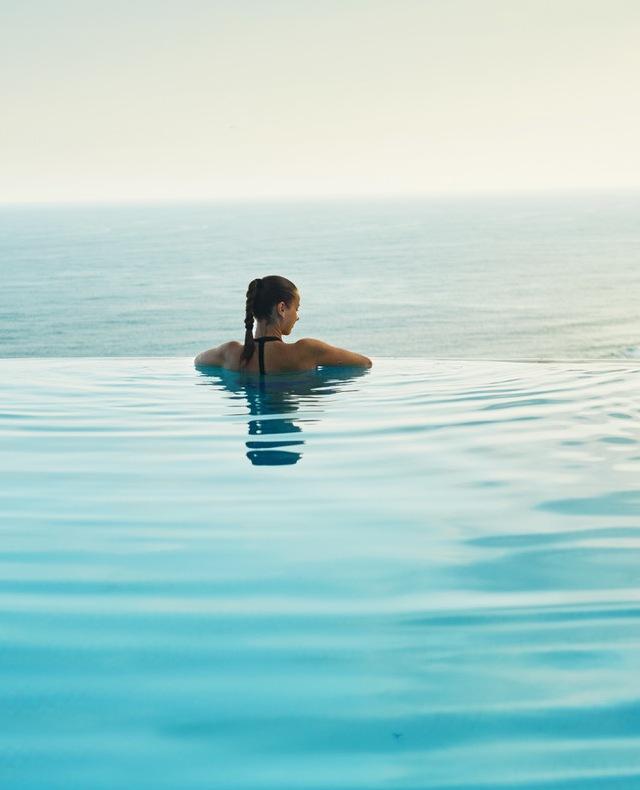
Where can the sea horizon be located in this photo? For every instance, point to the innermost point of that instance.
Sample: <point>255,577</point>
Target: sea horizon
<point>362,197</point>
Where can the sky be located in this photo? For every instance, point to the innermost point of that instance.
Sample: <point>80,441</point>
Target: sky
<point>198,99</point>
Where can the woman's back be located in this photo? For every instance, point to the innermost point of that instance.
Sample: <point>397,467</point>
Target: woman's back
<point>270,355</point>
<point>281,357</point>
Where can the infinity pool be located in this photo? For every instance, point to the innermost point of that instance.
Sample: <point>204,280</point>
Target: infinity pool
<point>422,575</point>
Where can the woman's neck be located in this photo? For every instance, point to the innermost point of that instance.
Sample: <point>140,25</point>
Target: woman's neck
<point>264,329</point>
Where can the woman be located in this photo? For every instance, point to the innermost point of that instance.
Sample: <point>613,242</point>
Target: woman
<point>274,303</point>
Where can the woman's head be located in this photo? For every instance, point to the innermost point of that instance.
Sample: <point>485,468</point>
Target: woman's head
<point>272,299</point>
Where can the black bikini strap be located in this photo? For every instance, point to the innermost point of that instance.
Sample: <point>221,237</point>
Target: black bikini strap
<point>261,341</point>
<point>261,355</point>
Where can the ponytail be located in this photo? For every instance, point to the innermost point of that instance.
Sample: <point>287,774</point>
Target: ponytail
<point>249,342</point>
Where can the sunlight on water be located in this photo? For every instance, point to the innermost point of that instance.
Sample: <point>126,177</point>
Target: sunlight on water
<point>420,575</point>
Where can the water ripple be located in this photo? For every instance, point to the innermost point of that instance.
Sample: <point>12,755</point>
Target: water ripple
<point>422,575</point>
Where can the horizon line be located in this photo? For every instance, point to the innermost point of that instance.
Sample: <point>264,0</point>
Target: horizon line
<point>327,198</point>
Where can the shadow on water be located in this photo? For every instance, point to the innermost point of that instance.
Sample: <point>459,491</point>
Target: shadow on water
<point>274,404</point>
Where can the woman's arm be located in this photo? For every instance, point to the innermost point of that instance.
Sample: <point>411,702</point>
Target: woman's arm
<point>319,353</point>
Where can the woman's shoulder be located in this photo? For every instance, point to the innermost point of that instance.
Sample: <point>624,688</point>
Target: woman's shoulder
<point>232,351</point>
<point>220,355</point>
<point>320,353</point>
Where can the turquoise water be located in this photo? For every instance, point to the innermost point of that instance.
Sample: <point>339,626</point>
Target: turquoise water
<point>511,277</point>
<point>421,575</point>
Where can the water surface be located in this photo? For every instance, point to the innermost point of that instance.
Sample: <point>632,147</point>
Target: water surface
<point>420,575</point>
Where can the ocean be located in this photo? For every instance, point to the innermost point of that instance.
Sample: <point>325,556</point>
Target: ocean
<point>509,277</point>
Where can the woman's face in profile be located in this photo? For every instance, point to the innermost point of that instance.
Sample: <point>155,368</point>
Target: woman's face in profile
<point>291,315</point>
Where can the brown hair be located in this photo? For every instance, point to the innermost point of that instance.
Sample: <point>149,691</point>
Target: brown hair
<point>263,294</point>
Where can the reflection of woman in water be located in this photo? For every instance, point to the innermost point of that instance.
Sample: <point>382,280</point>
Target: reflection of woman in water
<point>274,423</point>
<point>274,303</point>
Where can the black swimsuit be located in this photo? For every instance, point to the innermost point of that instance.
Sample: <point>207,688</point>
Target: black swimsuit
<point>261,341</point>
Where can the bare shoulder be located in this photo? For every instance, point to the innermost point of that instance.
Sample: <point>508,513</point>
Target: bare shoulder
<point>318,352</point>
<point>218,356</point>
<point>232,352</point>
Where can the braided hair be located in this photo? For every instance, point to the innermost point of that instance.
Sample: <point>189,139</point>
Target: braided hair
<point>263,294</point>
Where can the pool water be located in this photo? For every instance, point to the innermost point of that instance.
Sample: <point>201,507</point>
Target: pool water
<point>422,575</point>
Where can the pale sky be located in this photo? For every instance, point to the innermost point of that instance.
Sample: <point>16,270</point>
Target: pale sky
<point>160,99</point>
